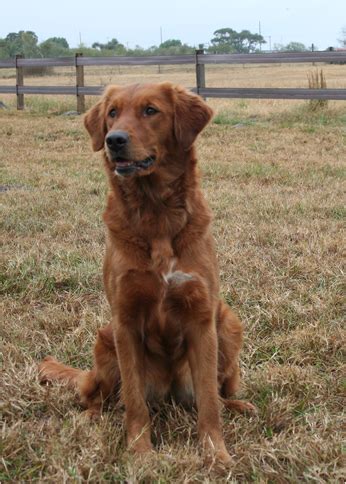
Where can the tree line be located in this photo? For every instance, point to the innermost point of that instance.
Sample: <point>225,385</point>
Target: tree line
<point>225,41</point>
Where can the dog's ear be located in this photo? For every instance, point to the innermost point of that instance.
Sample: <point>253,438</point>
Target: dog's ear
<point>192,114</point>
<point>95,125</point>
<point>94,120</point>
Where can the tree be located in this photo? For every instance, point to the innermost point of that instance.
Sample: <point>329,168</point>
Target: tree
<point>54,47</point>
<point>110,45</point>
<point>229,40</point>
<point>170,43</point>
<point>342,40</point>
<point>224,40</point>
<point>249,41</point>
<point>296,47</point>
<point>59,41</point>
<point>3,49</point>
<point>291,47</point>
<point>22,42</point>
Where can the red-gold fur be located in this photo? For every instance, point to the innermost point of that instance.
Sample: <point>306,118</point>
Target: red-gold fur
<point>169,334</point>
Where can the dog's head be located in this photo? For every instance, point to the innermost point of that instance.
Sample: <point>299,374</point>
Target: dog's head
<point>141,127</point>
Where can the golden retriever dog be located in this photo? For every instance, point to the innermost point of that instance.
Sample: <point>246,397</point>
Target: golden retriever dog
<point>170,334</point>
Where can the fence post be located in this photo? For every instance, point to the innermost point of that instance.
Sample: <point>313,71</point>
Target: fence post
<point>200,71</point>
<point>80,83</point>
<point>19,83</point>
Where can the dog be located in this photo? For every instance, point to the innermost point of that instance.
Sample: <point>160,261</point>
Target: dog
<point>170,334</point>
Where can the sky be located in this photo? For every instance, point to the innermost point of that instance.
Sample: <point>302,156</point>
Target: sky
<point>141,22</point>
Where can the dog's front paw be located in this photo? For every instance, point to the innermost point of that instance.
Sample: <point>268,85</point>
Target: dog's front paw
<point>217,455</point>
<point>140,445</point>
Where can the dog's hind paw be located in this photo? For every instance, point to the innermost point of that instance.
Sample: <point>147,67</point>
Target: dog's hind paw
<point>45,369</point>
<point>240,406</point>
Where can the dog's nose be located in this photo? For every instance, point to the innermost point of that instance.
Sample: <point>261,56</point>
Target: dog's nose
<point>117,139</point>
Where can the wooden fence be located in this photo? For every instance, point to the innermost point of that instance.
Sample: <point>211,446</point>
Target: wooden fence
<point>199,59</point>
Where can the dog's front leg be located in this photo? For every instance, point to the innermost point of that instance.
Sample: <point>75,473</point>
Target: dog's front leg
<point>188,297</point>
<point>202,355</point>
<point>131,363</point>
<point>138,296</point>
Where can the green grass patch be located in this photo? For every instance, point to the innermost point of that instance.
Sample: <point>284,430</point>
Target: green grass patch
<point>50,274</point>
<point>232,119</point>
<point>308,119</point>
<point>43,105</point>
<point>338,212</point>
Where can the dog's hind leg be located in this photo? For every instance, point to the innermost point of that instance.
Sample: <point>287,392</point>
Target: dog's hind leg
<point>94,386</point>
<point>230,338</point>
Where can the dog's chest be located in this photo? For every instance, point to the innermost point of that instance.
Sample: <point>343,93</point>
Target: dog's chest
<point>159,218</point>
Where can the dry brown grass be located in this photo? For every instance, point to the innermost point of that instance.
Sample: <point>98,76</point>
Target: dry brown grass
<point>317,80</point>
<point>274,176</point>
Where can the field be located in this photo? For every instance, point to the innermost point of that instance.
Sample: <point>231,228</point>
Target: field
<point>273,173</point>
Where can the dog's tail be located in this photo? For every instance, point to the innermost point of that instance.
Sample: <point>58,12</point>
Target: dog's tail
<point>52,370</point>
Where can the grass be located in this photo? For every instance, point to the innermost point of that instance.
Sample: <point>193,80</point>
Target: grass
<point>274,176</point>
<point>317,80</point>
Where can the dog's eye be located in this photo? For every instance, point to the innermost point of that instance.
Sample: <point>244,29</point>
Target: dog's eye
<point>150,111</point>
<point>112,113</point>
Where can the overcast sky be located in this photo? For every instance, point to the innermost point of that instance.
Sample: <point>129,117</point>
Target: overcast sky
<point>192,21</point>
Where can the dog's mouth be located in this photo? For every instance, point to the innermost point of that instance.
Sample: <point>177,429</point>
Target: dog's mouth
<point>126,167</point>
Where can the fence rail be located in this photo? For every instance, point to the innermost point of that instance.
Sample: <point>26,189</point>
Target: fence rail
<point>272,58</point>
<point>199,59</point>
<point>273,93</point>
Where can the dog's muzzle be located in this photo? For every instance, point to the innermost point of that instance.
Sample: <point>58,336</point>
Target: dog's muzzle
<point>117,144</point>
<point>126,167</point>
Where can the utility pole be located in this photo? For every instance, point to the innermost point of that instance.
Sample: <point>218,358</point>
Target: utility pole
<point>159,67</point>
<point>259,31</point>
